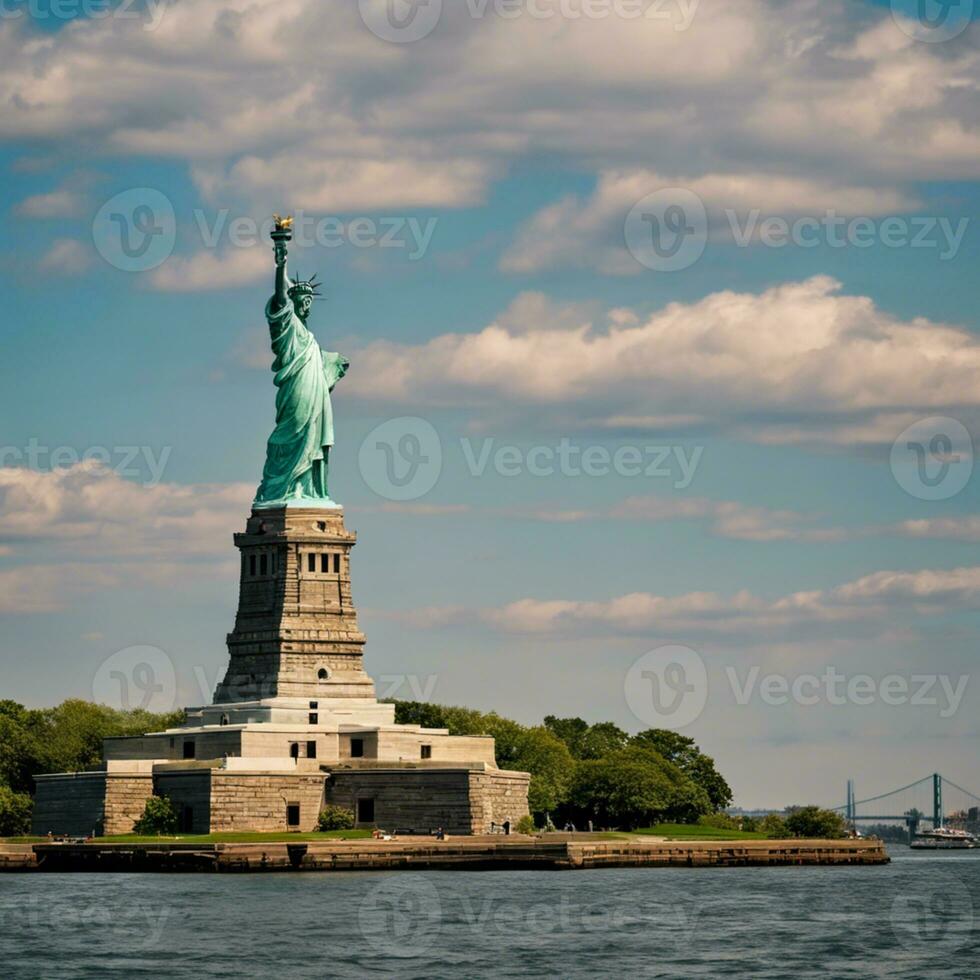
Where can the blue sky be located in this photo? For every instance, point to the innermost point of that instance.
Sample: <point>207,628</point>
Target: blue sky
<point>796,541</point>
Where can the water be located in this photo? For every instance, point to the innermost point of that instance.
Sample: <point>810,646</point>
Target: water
<point>915,918</point>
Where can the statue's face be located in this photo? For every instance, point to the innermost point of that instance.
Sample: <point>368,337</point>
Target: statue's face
<point>302,305</point>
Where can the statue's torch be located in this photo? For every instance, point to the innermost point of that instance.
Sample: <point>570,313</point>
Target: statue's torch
<point>281,234</point>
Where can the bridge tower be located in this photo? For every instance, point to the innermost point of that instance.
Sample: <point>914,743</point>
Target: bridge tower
<point>937,800</point>
<point>850,802</point>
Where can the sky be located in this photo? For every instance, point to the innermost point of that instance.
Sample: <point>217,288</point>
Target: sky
<point>662,321</point>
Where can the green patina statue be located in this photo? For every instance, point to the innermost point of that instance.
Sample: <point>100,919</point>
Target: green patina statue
<point>298,455</point>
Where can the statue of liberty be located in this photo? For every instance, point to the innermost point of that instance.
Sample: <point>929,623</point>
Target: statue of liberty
<point>298,454</point>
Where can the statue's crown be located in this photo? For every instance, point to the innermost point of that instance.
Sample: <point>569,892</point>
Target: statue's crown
<point>305,287</point>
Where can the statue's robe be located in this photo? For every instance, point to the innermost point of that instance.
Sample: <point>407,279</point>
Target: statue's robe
<point>297,455</point>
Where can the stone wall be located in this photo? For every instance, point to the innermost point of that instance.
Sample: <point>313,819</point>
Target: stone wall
<point>70,803</point>
<point>497,795</point>
<point>258,801</point>
<point>406,799</point>
<point>125,799</point>
<point>190,792</point>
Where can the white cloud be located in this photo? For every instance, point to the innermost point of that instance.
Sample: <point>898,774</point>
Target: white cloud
<point>872,602</point>
<point>730,519</point>
<point>210,269</point>
<point>94,512</point>
<point>67,256</point>
<point>753,363</point>
<point>63,203</point>
<point>264,98</point>
<point>85,530</point>
<point>965,528</point>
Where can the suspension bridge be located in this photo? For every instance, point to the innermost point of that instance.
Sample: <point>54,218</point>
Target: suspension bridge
<point>934,799</point>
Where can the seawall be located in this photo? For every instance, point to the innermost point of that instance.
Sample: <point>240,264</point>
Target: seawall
<point>462,853</point>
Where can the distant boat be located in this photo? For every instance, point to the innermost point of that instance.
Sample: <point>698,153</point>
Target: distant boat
<point>944,839</point>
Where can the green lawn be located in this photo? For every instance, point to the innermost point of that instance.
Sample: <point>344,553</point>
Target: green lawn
<point>689,831</point>
<point>238,838</point>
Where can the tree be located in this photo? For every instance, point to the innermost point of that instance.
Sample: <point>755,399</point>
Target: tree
<point>570,730</point>
<point>159,818</point>
<point>684,753</point>
<point>15,812</point>
<point>22,753</point>
<point>773,826</point>
<point>812,821</point>
<point>670,775</point>
<point>67,738</point>
<point>635,787</point>
<point>551,767</point>
<point>586,741</point>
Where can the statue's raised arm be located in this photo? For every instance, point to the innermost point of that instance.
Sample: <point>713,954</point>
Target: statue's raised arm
<point>281,234</point>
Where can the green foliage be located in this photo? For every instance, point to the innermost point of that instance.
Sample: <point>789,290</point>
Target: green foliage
<point>335,818</point>
<point>525,825</point>
<point>586,741</point>
<point>551,767</point>
<point>750,824</point>
<point>684,753</point>
<point>633,787</point>
<point>15,812</point>
<point>773,826</point>
<point>720,821</point>
<point>67,738</point>
<point>812,821</point>
<point>588,771</point>
<point>159,818</point>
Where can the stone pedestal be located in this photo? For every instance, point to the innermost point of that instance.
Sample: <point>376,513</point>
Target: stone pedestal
<point>296,632</point>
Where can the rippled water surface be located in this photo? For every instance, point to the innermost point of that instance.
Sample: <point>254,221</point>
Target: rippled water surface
<point>915,918</point>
